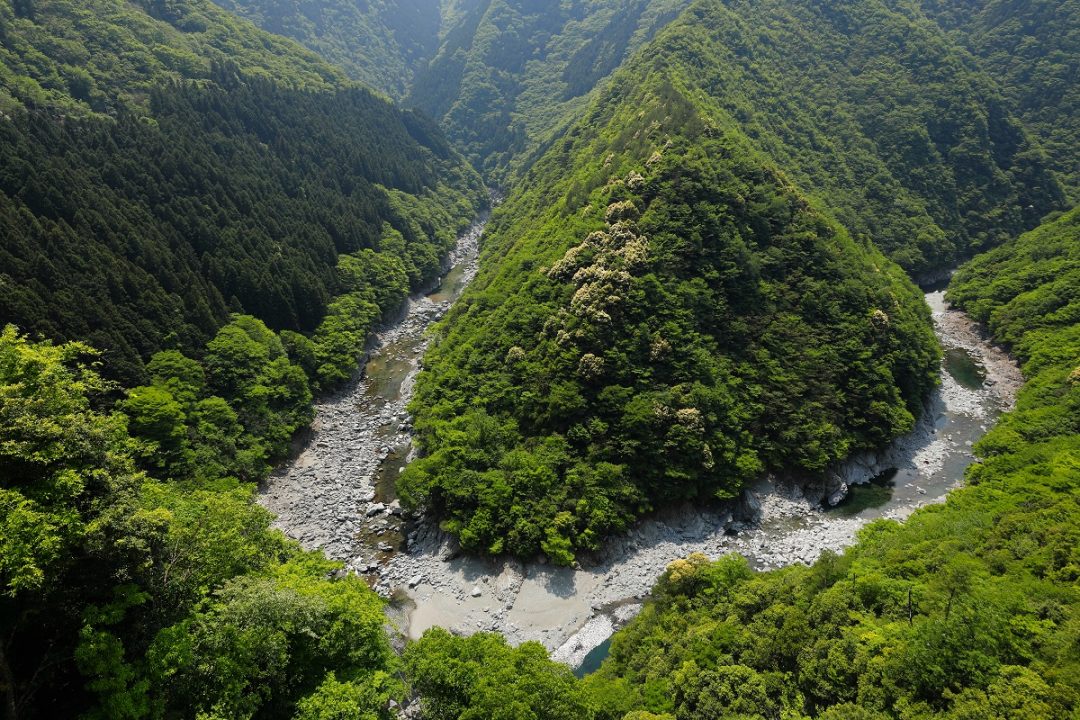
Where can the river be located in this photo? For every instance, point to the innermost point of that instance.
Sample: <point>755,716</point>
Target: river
<point>338,495</point>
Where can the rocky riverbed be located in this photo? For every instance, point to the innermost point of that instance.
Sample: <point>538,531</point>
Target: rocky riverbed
<point>338,495</point>
<point>329,496</point>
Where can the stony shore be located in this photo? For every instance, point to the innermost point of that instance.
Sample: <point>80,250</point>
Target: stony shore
<point>327,499</point>
<point>326,496</point>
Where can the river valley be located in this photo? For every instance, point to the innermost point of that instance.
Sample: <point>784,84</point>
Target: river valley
<point>338,495</point>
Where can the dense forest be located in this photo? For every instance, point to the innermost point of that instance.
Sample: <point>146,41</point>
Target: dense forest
<point>913,149</point>
<point>512,71</point>
<point>701,274</point>
<point>237,191</point>
<point>685,322</point>
<point>658,318</point>
<point>175,186</point>
<point>499,75</point>
<point>1033,50</point>
<point>967,610</point>
<point>382,43</point>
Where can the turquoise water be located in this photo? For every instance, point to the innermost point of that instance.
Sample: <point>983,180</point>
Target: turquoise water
<point>592,661</point>
<point>874,494</point>
<point>964,370</point>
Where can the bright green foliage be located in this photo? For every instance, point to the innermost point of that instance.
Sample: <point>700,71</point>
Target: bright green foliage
<point>366,698</point>
<point>207,192</point>
<point>680,319</point>
<point>262,642</point>
<point>968,610</point>
<point>226,417</point>
<point>372,284</point>
<point>163,599</point>
<point>93,56</point>
<point>482,678</point>
<point>875,112</point>
<point>54,454</point>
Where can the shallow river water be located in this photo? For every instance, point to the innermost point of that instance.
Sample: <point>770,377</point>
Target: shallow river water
<point>338,495</point>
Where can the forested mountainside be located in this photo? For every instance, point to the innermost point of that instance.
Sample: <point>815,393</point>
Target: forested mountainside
<point>1033,49</point>
<point>917,142</point>
<point>382,43</point>
<point>877,113</point>
<point>84,57</point>
<point>511,71</point>
<point>664,313</point>
<point>164,169</point>
<point>660,315</point>
<point>138,210</point>
<point>965,611</point>
<point>698,276</point>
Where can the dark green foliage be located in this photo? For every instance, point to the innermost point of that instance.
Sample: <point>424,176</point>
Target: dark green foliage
<point>968,610</point>
<point>873,107</point>
<point>153,179</point>
<point>508,72</point>
<point>1032,48</point>
<point>381,42</point>
<point>140,234</point>
<point>677,321</point>
<point>875,112</point>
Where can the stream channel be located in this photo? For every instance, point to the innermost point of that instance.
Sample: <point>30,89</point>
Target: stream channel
<point>337,495</point>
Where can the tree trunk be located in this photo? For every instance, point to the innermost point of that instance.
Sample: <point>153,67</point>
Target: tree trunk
<point>7,681</point>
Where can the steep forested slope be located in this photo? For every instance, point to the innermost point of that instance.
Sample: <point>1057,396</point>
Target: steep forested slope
<point>967,610</point>
<point>164,168</point>
<point>1033,49</point>
<point>207,188</point>
<point>868,104</point>
<point>660,314</point>
<point>653,321</point>
<point>876,112</point>
<point>510,71</point>
<point>93,56</point>
<point>381,42</point>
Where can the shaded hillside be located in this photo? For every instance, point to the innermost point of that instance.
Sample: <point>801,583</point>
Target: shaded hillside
<point>510,71</point>
<point>876,113</point>
<point>872,107</point>
<point>1033,49</point>
<point>381,43</point>
<point>205,193</point>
